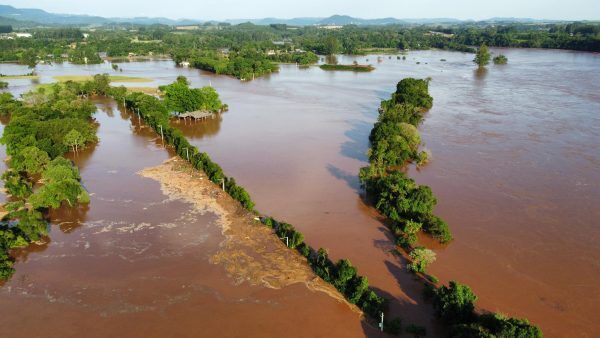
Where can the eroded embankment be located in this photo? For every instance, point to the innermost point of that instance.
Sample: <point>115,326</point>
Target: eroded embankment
<point>249,252</point>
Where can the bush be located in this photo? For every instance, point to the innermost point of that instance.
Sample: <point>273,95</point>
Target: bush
<point>455,303</point>
<point>414,92</point>
<point>500,60</point>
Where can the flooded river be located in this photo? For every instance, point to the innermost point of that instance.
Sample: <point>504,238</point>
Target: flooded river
<point>515,167</point>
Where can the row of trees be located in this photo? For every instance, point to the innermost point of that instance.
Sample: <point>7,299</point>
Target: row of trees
<point>43,126</point>
<point>179,97</point>
<point>156,114</point>
<point>455,305</point>
<point>342,274</point>
<point>246,64</point>
<point>395,142</point>
<point>483,57</point>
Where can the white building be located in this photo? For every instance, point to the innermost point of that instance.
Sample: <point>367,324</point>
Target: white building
<point>23,35</point>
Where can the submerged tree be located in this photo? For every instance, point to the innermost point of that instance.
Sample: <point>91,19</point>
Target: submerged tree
<point>482,58</point>
<point>500,60</point>
<point>74,139</point>
<point>421,257</point>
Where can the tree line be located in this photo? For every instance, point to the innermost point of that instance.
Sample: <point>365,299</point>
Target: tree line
<point>252,46</point>
<point>342,274</point>
<point>43,126</point>
<point>395,143</point>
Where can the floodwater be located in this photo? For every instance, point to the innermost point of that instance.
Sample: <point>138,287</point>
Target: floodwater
<point>515,167</point>
<point>136,262</point>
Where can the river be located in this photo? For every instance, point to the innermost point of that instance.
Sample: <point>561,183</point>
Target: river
<point>515,166</point>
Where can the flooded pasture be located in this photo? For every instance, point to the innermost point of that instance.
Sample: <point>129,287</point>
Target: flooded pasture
<point>515,167</point>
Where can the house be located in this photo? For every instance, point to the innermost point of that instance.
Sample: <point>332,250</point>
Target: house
<point>187,27</point>
<point>184,64</point>
<point>270,52</point>
<point>330,27</point>
<point>23,35</point>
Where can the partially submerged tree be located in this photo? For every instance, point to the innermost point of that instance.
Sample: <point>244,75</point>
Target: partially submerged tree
<point>482,58</point>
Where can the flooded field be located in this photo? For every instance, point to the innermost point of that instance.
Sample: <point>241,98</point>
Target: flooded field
<point>138,261</point>
<point>515,167</point>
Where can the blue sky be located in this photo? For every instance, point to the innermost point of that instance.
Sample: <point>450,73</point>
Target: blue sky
<point>234,9</point>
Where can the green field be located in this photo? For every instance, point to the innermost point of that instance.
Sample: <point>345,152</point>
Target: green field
<point>113,78</point>
<point>17,77</point>
<point>354,68</point>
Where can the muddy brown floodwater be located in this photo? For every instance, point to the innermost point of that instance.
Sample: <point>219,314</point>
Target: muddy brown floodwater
<point>148,258</point>
<point>515,167</point>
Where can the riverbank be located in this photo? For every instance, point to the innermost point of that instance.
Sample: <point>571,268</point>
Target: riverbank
<point>249,252</point>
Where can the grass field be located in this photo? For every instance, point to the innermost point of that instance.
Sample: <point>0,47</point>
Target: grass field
<point>16,77</point>
<point>353,68</point>
<point>113,78</point>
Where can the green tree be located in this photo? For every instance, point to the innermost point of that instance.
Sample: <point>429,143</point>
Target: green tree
<point>74,139</point>
<point>29,58</point>
<point>421,258</point>
<point>482,58</point>
<point>414,92</point>
<point>30,160</point>
<point>500,60</point>
<point>455,303</point>
<point>331,45</point>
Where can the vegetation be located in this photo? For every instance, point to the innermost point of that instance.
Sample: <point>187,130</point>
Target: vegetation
<point>112,78</point>
<point>179,97</point>
<point>409,206</point>
<point>455,305</point>
<point>482,58</point>
<point>500,60</point>
<point>421,258</point>
<point>395,142</point>
<point>341,274</point>
<point>354,68</point>
<point>3,84</point>
<point>246,64</point>
<point>44,125</point>
<point>301,58</point>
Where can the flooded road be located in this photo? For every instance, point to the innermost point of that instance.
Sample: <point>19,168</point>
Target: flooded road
<point>515,167</point>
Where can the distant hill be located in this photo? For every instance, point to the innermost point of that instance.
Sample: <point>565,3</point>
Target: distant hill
<point>17,24</point>
<point>24,17</point>
<point>43,17</point>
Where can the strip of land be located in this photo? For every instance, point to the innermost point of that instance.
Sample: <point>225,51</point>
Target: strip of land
<point>113,78</point>
<point>353,68</point>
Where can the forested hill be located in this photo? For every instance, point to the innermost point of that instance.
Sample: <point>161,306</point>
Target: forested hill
<point>41,17</point>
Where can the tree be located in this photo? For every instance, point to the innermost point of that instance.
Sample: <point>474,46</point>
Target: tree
<point>455,303</point>
<point>30,160</point>
<point>482,58</point>
<point>500,60</point>
<point>74,139</point>
<point>331,45</point>
<point>29,58</point>
<point>413,92</point>
<point>421,258</point>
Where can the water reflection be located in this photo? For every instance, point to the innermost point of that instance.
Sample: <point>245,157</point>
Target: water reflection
<point>480,73</point>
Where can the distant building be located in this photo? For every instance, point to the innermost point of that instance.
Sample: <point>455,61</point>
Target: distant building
<point>184,64</point>
<point>440,34</point>
<point>187,27</point>
<point>330,27</point>
<point>23,35</point>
